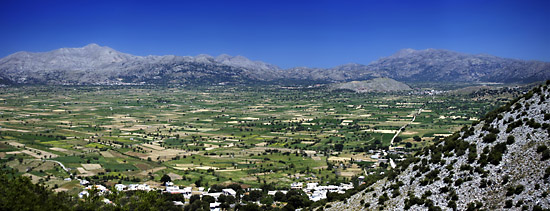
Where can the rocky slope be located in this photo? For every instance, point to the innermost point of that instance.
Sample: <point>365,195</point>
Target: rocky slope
<point>93,64</point>
<point>373,85</point>
<point>502,162</point>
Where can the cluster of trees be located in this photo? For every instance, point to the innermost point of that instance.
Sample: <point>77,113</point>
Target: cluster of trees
<point>493,156</point>
<point>19,193</point>
<point>294,199</point>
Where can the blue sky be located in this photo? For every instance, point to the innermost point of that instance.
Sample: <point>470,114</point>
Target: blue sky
<point>285,33</point>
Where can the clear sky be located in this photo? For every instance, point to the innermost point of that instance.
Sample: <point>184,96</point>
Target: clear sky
<point>285,33</point>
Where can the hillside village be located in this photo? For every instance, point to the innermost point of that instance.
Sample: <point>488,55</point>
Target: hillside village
<point>314,191</point>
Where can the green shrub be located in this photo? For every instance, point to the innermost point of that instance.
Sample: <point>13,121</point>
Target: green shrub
<point>510,191</point>
<point>545,155</point>
<point>459,182</point>
<point>495,156</point>
<point>541,148</point>
<point>519,189</point>
<point>490,138</point>
<point>510,139</point>
<point>547,173</point>
<point>513,125</point>
<point>383,198</point>
<point>452,205</point>
<point>509,204</point>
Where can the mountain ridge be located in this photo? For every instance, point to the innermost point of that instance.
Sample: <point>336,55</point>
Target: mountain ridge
<point>94,64</point>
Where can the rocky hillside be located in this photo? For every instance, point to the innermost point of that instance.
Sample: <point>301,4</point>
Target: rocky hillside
<point>374,85</point>
<point>502,162</point>
<point>93,64</point>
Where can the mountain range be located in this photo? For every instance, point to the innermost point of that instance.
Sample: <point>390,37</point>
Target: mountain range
<point>94,64</point>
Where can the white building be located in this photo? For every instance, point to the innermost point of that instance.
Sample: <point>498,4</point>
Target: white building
<point>215,206</point>
<point>318,195</point>
<point>296,185</point>
<point>107,201</point>
<point>100,188</point>
<point>215,195</point>
<point>174,189</point>
<point>143,187</point>
<point>82,194</point>
<point>344,186</point>
<point>187,192</point>
<point>229,192</point>
<point>273,192</point>
<point>84,182</point>
<point>120,187</point>
<point>311,186</point>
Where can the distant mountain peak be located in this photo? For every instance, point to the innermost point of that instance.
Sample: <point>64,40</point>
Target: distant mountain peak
<point>92,45</point>
<point>412,52</point>
<point>403,52</point>
<point>89,47</point>
<point>406,51</point>
<point>224,57</point>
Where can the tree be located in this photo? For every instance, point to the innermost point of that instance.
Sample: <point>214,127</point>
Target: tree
<point>510,139</point>
<point>338,147</point>
<point>226,199</point>
<point>266,200</point>
<point>19,193</point>
<point>490,138</point>
<point>254,195</point>
<point>297,198</point>
<point>165,178</point>
<point>194,198</point>
<point>397,139</point>
<point>280,196</point>
<point>198,182</point>
<point>208,199</point>
<point>249,207</point>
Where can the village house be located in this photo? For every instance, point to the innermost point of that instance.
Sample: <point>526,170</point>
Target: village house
<point>296,185</point>
<point>229,192</point>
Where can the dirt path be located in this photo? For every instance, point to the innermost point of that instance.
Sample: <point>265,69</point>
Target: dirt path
<point>61,164</point>
<point>392,163</point>
<point>404,126</point>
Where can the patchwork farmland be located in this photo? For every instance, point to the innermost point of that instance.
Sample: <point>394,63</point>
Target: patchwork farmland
<point>219,135</point>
